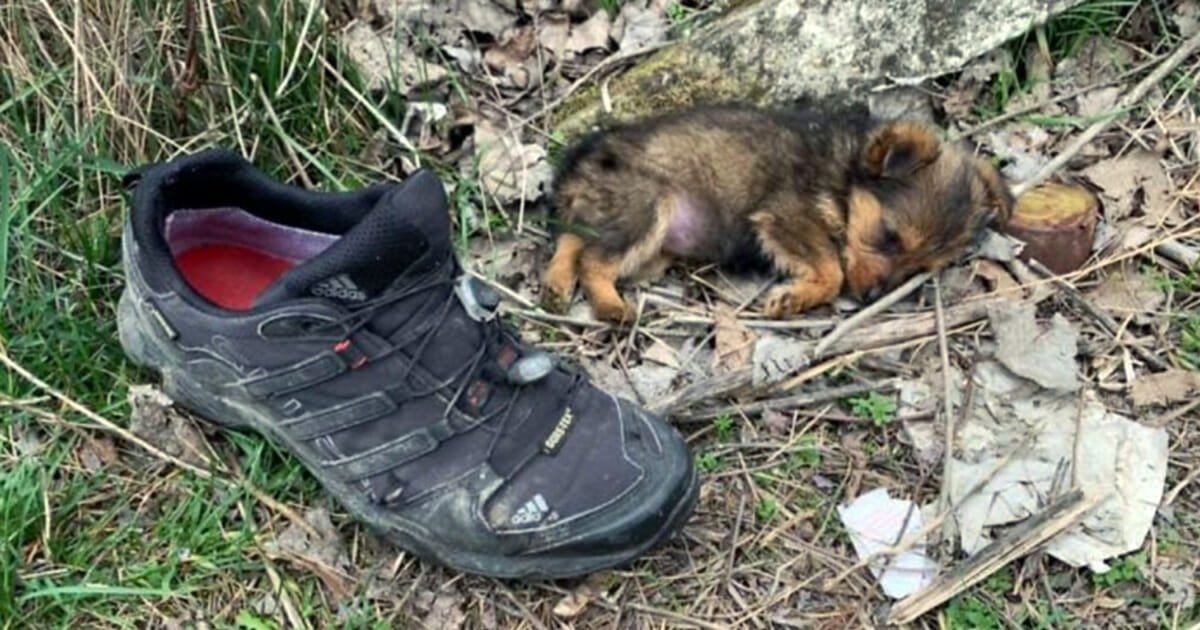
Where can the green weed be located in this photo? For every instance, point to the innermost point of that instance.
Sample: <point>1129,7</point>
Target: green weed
<point>874,406</point>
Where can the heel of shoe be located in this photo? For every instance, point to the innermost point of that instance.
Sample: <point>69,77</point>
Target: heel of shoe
<point>131,333</point>
<point>136,337</point>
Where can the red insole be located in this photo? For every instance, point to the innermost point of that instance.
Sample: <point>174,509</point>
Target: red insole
<point>230,276</point>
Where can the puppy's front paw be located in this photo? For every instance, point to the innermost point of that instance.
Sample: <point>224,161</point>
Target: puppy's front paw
<point>616,310</point>
<point>795,298</point>
<point>556,295</point>
<point>780,303</point>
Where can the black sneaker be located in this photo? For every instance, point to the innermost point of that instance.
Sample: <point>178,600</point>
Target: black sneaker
<point>341,326</point>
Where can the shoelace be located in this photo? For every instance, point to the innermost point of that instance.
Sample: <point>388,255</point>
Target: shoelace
<point>483,363</point>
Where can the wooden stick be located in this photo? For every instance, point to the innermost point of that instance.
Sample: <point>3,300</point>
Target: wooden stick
<point>875,336</point>
<point>799,400</point>
<point>1179,253</point>
<point>1130,99</point>
<point>878,306</point>
<point>1061,514</point>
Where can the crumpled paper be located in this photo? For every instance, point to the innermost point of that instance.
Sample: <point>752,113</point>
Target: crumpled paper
<point>1060,439</point>
<point>876,521</point>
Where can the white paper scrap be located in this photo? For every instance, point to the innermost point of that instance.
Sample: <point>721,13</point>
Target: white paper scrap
<point>876,521</point>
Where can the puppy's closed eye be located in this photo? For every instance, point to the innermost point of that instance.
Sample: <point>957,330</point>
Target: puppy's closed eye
<point>889,243</point>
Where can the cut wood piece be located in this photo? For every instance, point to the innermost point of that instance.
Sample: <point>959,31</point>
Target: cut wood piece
<point>1058,224</point>
<point>1060,515</point>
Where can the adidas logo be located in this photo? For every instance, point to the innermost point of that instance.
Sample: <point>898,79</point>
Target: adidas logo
<point>532,512</point>
<point>339,287</point>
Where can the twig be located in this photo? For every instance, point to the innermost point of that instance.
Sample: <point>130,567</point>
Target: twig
<point>1063,513</point>
<point>870,311</point>
<point>1106,322</point>
<point>1179,253</point>
<point>799,400</point>
<point>1130,99</point>
<point>673,616</point>
<point>876,336</point>
<point>947,406</point>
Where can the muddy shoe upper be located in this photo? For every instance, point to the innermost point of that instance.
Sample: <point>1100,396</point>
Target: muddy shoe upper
<point>341,326</point>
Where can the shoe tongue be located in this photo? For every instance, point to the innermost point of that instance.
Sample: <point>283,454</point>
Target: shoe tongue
<point>409,227</point>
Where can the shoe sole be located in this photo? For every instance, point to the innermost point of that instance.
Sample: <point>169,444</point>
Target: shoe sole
<point>143,349</point>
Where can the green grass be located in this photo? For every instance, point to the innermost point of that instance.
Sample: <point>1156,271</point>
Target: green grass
<point>1061,37</point>
<point>874,406</point>
<point>134,540</point>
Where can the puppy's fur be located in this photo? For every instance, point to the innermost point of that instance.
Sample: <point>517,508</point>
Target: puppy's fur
<point>832,200</point>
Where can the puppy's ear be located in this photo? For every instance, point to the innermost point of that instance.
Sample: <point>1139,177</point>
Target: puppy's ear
<point>899,149</point>
<point>999,198</point>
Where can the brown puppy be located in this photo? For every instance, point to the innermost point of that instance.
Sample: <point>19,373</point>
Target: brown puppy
<point>831,200</point>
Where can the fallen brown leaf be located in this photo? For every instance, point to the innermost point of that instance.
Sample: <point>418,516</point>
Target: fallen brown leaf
<point>323,555</point>
<point>386,61</point>
<point>1122,178</point>
<point>639,26</point>
<point>1097,102</point>
<point>573,603</point>
<point>553,32</point>
<point>1044,355</point>
<point>735,342</point>
<point>591,34</point>
<point>997,277</point>
<point>513,48</point>
<point>1127,292</point>
<point>97,453</point>
<point>1164,387</point>
<point>483,16</point>
<point>508,169</point>
<point>155,420</point>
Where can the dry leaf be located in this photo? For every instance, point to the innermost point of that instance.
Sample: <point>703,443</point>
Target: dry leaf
<point>660,352</point>
<point>1179,582</point>
<point>154,420</point>
<point>1186,17</point>
<point>1022,147</point>
<point>97,453</point>
<point>639,27</point>
<point>591,34</point>
<point>574,603</point>
<point>509,170</point>
<point>1127,292</point>
<point>1097,102</point>
<point>553,32</point>
<point>1164,387</point>
<point>512,49</point>
<point>387,61</point>
<point>1120,180</point>
<point>900,103</point>
<point>777,424</point>
<point>1097,61</point>
<point>324,554</point>
<point>1044,356</point>
<point>735,342</point>
<point>997,277</point>
<point>483,16</point>
<point>446,612</point>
